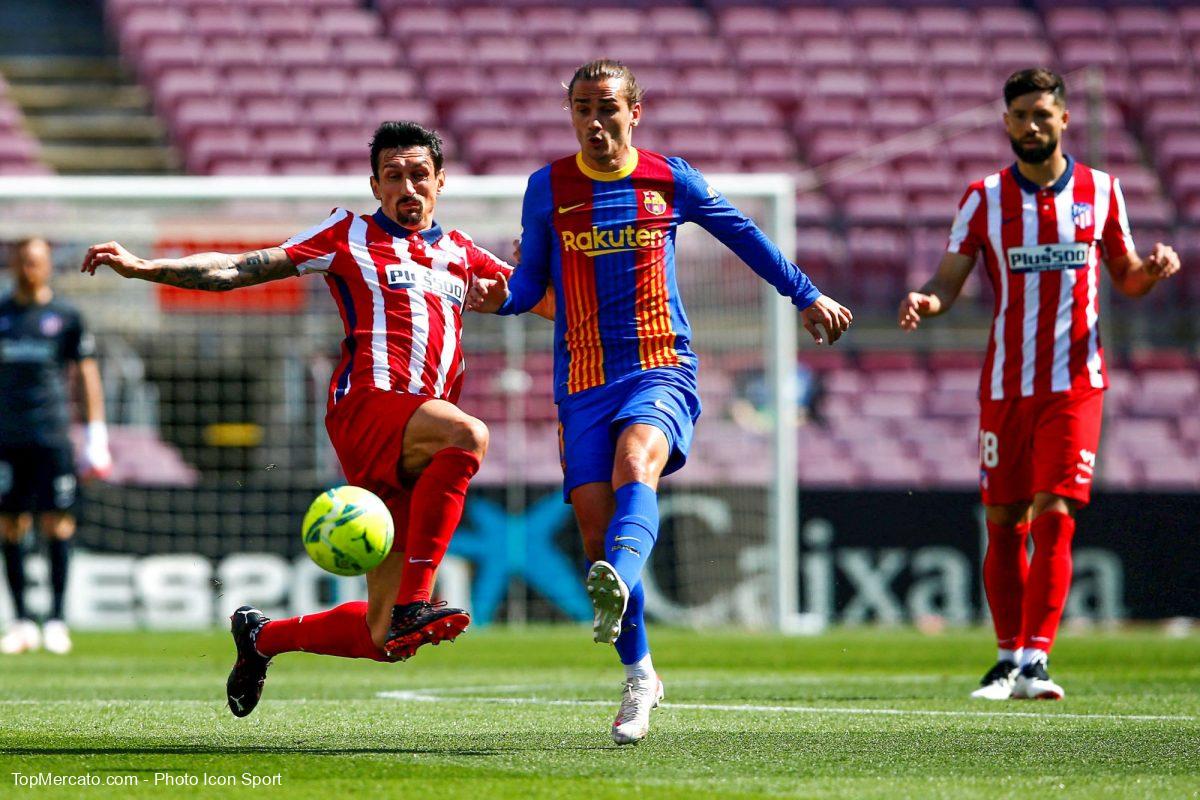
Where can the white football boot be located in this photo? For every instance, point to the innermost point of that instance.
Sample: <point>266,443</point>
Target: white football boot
<point>609,596</point>
<point>55,637</point>
<point>23,635</point>
<point>997,684</point>
<point>638,696</point>
<point>1034,684</point>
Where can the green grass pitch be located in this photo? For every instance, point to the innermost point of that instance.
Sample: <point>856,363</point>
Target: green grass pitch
<point>524,714</point>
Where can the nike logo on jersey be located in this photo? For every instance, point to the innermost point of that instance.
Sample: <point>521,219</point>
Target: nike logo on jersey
<point>625,539</point>
<point>420,560</point>
<point>565,209</point>
<point>661,406</point>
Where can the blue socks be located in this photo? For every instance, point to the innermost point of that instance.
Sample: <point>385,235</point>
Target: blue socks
<point>633,645</point>
<point>627,544</point>
<point>633,531</point>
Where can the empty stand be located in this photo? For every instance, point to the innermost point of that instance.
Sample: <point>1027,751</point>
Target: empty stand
<point>858,100</point>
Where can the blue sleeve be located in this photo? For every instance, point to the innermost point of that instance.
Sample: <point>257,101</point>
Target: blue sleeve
<point>705,206</point>
<point>528,283</point>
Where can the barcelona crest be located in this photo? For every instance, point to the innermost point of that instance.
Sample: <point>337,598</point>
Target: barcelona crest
<point>654,203</point>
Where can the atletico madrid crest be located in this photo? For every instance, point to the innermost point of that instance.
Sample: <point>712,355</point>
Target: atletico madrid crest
<point>653,202</point>
<point>1081,213</point>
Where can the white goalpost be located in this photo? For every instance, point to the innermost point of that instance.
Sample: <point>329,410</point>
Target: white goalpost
<point>217,402</point>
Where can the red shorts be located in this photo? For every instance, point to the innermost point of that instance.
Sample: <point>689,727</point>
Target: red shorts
<point>1039,444</point>
<point>367,432</point>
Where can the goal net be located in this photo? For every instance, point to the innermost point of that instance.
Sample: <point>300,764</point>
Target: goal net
<point>216,405</point>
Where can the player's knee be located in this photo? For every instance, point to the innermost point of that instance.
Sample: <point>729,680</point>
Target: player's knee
<point>470,434</point>
<point>1007,515</point>
<point>14,528</point>
<point>57,526</point>
<point>633,465</point>
<point>1046,501</point>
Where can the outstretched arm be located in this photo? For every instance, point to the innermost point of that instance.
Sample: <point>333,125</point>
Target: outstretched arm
<point>707,207</point>
<point>939,293</point>
<point>212,272</point>
<point>1134,277</point>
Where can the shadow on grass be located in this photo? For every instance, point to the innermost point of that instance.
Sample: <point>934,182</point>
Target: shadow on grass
<point>293,750</point>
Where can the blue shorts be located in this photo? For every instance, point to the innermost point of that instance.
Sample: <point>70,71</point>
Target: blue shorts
<point>590,422</point>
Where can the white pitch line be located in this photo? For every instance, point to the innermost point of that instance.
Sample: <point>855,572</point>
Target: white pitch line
<point>431,696</point>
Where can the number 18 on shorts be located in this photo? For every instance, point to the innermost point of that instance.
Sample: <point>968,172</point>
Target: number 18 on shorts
<point>1039,444</point>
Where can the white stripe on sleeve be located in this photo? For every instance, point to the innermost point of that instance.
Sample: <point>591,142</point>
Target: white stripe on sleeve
<point>1119,199</point>
<point>1104,184</point>
<point>991,186</point>
<point>334,218</point>
<point>962,222</point>
<point>380,371</point>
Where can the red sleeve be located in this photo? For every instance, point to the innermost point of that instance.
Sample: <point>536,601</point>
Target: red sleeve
<point>1116,238</point>
<point>313,250</point>
<point>480,262</point>
<point>969,231</point>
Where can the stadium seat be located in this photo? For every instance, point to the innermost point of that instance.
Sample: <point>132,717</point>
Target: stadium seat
<point>175,86</point>
<point>751,20</point>
<point>1141,21</point>
<point>892,22</point>
<point>561,53</point>
<point>816,20</point>
<point>504,50</point>
<point>282,24</point>
<point>366,52</point>
<point>309,83</point>
<point>385,83</point>
<point>944,22</point>
<point>549,23</point>
<point>145,24</point>
<point>195,114</point>
<point>340,23</point>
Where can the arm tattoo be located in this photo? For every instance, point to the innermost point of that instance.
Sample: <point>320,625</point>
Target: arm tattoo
<point>219,272</point>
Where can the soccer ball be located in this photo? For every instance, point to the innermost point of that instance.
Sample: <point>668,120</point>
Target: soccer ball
<point>348,531</point>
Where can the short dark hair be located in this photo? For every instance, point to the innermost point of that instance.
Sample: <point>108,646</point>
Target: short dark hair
<point>602,69</point>
<point>391,135</point>
<point>1037,79</point>
<point>25,241</point>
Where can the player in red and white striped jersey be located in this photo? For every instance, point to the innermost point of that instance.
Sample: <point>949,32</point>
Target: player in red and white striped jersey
<point>1043,226</point>
<point>399,282</point>
<point>400,294</point>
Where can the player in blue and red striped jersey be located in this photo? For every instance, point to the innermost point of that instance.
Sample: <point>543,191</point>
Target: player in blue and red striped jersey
<point>600,227</point>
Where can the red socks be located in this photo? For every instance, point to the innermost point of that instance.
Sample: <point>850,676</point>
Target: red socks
<point>437,506</point>
<point>340,631</point>
<point>1049,578</point>
<point>1005,568</point>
